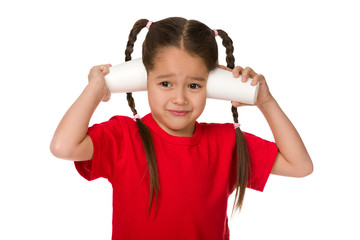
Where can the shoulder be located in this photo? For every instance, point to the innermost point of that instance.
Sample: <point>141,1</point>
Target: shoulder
<point>227,132</point>
<point>254,140</point>
<point>122,120</point>
<point>115,124</point>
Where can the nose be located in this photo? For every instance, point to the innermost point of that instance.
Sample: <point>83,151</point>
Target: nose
<point>180,97</point>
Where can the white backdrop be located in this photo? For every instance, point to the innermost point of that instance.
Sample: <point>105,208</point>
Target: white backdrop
<point>308,51</point>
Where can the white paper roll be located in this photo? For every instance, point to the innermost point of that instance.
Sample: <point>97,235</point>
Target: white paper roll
<point>127,77</point>
<point>131,77</point>
<point>222,85</point>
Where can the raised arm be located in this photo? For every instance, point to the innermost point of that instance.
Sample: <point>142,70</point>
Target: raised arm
<point>70,140</point>
<point>292,159</point>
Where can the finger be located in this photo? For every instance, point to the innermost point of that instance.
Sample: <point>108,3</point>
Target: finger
<point>98,68</point>
<point>247,73</point>
<point>257,79</point>
<point>107,96</point>
<point>105,69</point>
<point>223,67</point>
<point>238,104</point>
<point>237,71</point>
<point>98,71</point>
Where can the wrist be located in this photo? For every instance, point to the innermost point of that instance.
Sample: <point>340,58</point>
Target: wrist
<point>267,104</point>
<point>98,90</point>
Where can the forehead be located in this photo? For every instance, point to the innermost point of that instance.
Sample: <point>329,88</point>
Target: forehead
<point>174,60</point>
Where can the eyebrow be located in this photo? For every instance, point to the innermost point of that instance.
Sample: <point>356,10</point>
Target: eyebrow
<point>170,75</point>
<point>164,76</point>
<point>197,78</point>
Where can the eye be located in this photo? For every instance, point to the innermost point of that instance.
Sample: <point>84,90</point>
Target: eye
<point>194,86</point>
<point>165,84</point>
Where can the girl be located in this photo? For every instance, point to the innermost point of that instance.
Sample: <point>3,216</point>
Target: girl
<point>192,168</point>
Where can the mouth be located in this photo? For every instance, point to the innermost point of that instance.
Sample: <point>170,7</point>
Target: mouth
<point>178,113</point>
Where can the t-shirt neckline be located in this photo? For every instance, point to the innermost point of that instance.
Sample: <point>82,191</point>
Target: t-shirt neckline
<point>156,129</point>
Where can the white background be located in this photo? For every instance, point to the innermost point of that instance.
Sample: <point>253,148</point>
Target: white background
<point>308,51</point>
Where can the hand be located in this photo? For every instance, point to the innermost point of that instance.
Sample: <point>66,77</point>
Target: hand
<point>264,94</point>
<point>96,78</point>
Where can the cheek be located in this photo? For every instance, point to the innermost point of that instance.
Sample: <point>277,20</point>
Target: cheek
<point>155,98</point>
<point>150,93</point>
<point>200,100</point>
<point>152,99</point>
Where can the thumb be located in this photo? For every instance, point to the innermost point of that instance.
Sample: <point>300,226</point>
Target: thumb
<point>107,95</point>
<point>239,104</point>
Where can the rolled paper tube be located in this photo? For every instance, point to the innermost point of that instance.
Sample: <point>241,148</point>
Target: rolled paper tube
<point>222,85</point>
<point>127,77</point>
<point>131,77</point>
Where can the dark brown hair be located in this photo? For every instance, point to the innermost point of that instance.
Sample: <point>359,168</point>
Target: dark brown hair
<point>197,39</point>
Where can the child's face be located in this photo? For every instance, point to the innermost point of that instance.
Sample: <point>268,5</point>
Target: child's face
<point>177,90</point>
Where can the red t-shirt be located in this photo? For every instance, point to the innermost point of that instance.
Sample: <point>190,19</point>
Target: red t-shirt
<point>196,176</point>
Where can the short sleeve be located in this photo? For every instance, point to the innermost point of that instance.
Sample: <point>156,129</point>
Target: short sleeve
<point>105,137</point>
<point>262,154</point>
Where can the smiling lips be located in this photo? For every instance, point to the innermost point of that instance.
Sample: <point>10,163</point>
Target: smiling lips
<point>178,113</point>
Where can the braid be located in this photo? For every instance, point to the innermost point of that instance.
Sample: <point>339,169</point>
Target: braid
<point>140,24</point>
<point>143,129</point>
<point>228,44</point>
<point>243,165</point>
<point>131,102</point>
<point>235,114</point>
